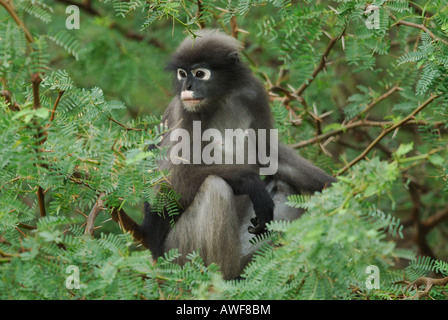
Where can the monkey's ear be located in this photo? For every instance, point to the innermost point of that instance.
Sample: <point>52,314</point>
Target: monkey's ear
<point>234,57</point>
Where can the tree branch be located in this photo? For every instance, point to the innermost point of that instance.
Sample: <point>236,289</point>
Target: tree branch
<point>353,125</point>
<point>36,80</point>
<point>428,283</point>
<point>84,5</point>
<point>60,93</point>
<point>435,219</point>
<point>41,201</point>
<point>19,22</point>
<point>379,99</point>
<point>319,68</point>
<point>13,106</point>
<point>90,226</point>
<point>122,125</point>
<point>421,27</point>
<point>199,14</point>
<point>386,131</point>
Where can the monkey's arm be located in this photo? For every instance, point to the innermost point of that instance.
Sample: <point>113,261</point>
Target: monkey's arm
<point>248,182</point>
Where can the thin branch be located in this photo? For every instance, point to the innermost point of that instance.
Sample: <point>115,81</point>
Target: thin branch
<point>41,201</point>
<point>428,283</point>
<point>319,68</point>
<point>421,27</point>
<point>13,106</point>
<point>56,105</point>
<point>379,99</point>
<point>41,136</point>
<point>36,80</point>
<point>435,219</point>
<point>386,131</point>
<point>122,125</point>
<point>90,225</point>
<point>129,34</point>
<point>353,125</point>
<point>199,14</point>
<point>19,22</point>
<point>84,5</point>
<point>234,27</point>
<point>26,226</point>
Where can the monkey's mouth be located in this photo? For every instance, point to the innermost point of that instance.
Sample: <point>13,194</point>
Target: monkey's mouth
<point>191,102</point>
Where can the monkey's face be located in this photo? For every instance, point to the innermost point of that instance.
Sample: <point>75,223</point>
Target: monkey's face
<point>196,85</point>
<point>206,70</point>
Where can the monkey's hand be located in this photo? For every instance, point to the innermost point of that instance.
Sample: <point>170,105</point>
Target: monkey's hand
<point>257,228</point>
<point>249,182</point>
<point>264,213</point>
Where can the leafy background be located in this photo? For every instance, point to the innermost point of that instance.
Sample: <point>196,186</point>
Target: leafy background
<point>80,106</point>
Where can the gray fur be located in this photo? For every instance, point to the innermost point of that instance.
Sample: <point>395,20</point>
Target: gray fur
<point>203,39</point>
<point>210,225</point>
<point>216,224</point>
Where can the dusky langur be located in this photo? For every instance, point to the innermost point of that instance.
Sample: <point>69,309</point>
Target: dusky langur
<point>223,204</point>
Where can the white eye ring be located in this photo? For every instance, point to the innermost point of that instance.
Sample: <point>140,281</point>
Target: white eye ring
<point>181,74</point>
<point>201,73</point>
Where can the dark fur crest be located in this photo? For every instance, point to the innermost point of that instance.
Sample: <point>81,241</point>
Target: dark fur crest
<point>209,49</point>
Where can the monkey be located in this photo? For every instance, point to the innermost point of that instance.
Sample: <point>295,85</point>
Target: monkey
<point>221,205</point>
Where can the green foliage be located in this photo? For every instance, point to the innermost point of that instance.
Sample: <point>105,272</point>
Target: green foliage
<point>78,109</point>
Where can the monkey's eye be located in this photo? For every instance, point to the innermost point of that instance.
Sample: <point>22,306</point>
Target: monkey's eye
<point>202,73</point>
<point>181,74</point>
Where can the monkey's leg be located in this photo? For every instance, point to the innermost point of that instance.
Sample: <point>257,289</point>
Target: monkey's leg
<point>210,224</point>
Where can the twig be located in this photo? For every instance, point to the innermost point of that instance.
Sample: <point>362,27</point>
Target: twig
<point>41,201</point>
<point>19,22</point>
<point>428,283</point>
<point>353,125</point>
<point>13,106</point>
<point>36,80</point>
<point>90,224</point>
<point>41,136</point>
<point>377,100</point>
<point>26,226</point>
<point>387,131</point>
<point>421,27</point>
<point>56,105</point>
<point>84,5</point>
<point>122,125</point>
<point>319,68</point>
<point>435,219</point>
<point>234,27</point>
<point>129,34</point>
<point>199,14</point>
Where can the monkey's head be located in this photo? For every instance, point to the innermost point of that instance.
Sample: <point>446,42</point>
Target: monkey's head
<point>206,69</point>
